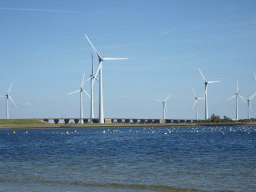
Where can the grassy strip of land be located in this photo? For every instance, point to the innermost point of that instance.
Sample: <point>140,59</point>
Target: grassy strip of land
<point>37,124</point>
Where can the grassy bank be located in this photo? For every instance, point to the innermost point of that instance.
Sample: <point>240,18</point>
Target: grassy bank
<point>36,124</point>
<point>20,122</point>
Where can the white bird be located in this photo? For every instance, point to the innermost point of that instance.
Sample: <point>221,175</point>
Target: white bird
<point>81,99</point>
<point>205,97</point>
<point>101,113</point>
<point>164,105</point>
<point>7,97</point>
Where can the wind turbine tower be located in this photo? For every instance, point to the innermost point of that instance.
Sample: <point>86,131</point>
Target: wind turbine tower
<point>92,81</point>
<point>92,78</point>
<point>236,100</point>
<point>81,99</point>
<point>7,97</point>
<point>101,113</point>
<point>196,104</point>
<point>205,97</point>
<point>164,105</point>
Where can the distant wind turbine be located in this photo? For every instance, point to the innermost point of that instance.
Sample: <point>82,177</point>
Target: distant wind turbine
<point>249,105</point>
<point>8,96</point>
<point>164,105</point>
<point>101,113</point>
<point>196,104</point>
<point>236,100</point>
<point>205,97</point>
<point>81,99</point>
<point>92,78</point>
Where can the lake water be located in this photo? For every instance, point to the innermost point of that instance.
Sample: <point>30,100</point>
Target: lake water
<point>129,159</point>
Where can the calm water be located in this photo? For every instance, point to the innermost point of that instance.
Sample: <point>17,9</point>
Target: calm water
<point>206,159</point>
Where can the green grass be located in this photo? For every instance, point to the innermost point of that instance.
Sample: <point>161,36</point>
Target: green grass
<point>34,123</point>
<point>37,123</point>
<point>21,122</point>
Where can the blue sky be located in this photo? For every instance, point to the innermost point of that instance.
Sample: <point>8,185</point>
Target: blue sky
<point>44,52</point>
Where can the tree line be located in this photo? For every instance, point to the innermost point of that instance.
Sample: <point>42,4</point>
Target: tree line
<point>216,119</point>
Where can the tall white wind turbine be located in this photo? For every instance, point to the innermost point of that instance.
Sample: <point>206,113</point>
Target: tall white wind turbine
<point>196,104</point>
<point>164,105</point>
<point>81,99</point>
<point>249,105</point>
<point>101,113</point>
<point>205,97</point>
<point>236,100</point>
<point>7,97</point>
<point>92,78</point>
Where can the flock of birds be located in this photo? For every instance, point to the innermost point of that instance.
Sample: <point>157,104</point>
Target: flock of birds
<point>151,130</point>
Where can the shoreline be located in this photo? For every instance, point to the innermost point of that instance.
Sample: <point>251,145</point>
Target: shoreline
<point>115,125</point>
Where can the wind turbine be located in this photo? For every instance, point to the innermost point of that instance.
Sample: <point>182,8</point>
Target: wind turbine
<point>196,103</point>
<point>101,113</point>
<point>8,96</point>
<point>81,99</point>
<point>205,97</point>
<point>248,101</point>
<point>164,105</point>
<point>236,100</point>
<point>92,78</point>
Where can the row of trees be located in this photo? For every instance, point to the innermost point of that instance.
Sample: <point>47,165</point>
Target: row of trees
<point>216,119</point>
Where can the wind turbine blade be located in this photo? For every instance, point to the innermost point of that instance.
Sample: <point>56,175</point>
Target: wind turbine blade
<point>213,81</point>
<point>167,97</point>
<point>12,100</point>
<point>88,79</point>
<point>250,106</point>
<point>87,94</point>
<point>94,49</point>
<point>245,98</point>
<point>194,104</point>
<point>94,80</point>
<point>242,98</point>
<point>108,59</point>
<point>166,107</point>
<point>10,88</point>
<point>98,70</point>
<point>232,97</point>
<point>158,100</point>
<point>82,81</point>
<point>193,92</point>
<point>251,98</point>
<point>2,95</point>
<point>237,87</point>
<point>74,92</point>
<point>202,75</point>
<point>200,98</point>
<point>92,63</point>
